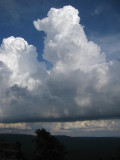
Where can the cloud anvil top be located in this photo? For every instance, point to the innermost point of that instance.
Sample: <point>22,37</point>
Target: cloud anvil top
<point>80,85</point>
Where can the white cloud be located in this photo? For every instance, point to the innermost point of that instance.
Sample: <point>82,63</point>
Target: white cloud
<point>21,60</point>
<point>112,51</point>
<point>80,85</point>
<point>66,45</point>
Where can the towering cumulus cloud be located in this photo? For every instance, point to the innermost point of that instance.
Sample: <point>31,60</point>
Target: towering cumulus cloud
<point>80,85</point>
<point>21,61</point>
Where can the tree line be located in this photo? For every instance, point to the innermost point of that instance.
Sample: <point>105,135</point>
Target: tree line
<point>48,147</point>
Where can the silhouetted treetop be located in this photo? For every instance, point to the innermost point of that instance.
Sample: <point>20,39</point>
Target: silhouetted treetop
<point>48,147</point>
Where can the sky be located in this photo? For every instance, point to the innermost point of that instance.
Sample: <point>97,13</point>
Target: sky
<point>59,67</point>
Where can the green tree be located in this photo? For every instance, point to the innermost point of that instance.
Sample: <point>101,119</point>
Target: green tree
<point>48,147</point>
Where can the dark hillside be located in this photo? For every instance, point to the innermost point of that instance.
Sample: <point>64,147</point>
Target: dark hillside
<point>94,148</point>
<point>83,148</point>
<point>25,140</point>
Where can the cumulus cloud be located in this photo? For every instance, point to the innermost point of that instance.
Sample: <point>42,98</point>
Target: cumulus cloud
<point>21,60</point>
<point>80,85</point>
<point>112,51</point>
